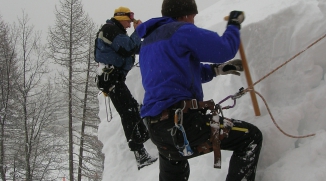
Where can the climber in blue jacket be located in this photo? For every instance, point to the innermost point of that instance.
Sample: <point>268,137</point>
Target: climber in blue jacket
<point>172,61</point>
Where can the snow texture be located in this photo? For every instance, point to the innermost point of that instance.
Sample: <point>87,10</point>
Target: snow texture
<point>272,33</point>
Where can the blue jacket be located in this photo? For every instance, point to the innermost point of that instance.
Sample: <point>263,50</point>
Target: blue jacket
<point>115,47</point>
<point>170,60</point>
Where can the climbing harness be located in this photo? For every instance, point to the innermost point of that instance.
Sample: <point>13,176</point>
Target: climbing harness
<point>220,128</point>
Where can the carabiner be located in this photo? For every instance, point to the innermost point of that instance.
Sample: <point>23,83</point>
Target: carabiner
<point>178,117</point>
<point>185,149</point>
<point>106,76</point>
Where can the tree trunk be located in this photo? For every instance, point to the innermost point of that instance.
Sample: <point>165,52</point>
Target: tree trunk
<point>2,168</point>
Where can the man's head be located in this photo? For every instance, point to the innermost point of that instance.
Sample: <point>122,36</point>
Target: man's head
<point>179,8</point>
<point>124,15</point>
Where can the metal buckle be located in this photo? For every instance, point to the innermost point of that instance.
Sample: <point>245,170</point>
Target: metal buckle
<point>106,76</point>
<point>194,104</point>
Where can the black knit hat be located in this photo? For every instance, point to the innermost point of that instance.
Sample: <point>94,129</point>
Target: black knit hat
<point>178,8</point>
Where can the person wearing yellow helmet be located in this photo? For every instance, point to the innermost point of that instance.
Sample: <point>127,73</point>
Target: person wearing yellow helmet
<point>115,52</point>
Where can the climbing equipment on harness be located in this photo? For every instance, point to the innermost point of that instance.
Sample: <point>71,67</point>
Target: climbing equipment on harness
<point>220,128</point>
<point>219,132</point>
<point>241,93</point>
<point>233,97</point>
<point>215,137</point>
<point>107,114</point>
<point>107,80</point>
<point>185,149</point>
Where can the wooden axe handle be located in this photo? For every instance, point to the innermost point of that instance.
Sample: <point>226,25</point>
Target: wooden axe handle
<point>248,76</point>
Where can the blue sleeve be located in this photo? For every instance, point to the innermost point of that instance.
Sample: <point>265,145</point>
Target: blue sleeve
<point>125,45</point>
<point>207,73</point>
<point>208,46</point>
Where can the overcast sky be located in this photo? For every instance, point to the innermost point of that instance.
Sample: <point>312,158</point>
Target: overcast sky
<point>41,12</point>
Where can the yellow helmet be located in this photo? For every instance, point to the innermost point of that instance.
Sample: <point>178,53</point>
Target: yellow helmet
<point>123,13</point>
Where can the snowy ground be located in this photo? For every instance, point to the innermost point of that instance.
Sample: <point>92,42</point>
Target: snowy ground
<point>272,33</point>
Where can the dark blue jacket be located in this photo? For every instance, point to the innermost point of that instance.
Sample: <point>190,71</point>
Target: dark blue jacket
<point>170,60</point>
<point>115,47</point>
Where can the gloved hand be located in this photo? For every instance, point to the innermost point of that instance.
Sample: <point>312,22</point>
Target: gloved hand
<point>229,67</point>
<point>236,18</point>
<point>136,23</point>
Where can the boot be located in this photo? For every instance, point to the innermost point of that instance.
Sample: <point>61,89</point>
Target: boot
<point>143,158</point>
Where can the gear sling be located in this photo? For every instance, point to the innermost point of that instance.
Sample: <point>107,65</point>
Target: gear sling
<point>218,128</point>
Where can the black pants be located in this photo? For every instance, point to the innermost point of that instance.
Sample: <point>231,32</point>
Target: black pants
<point>127,107</point>
<point>245,140</point>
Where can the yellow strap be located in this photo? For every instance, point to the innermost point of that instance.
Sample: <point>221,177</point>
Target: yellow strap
<point>237,129</point>
<point>234,128</point>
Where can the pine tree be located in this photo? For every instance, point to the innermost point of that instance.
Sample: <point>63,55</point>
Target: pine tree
<point>7,90</point>
<point>91,159</point>
<point>70,48</point>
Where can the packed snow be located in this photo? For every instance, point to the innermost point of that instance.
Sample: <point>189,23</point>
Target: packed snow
<point>272,33</point>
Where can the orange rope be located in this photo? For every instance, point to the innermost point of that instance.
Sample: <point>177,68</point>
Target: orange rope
<point>250,88</point>
<point>271,115</point>
<point>312,44</point>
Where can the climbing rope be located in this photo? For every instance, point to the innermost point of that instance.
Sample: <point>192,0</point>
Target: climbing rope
<point>312,44</point>
<point>250,88</point>
<point>271,115</point>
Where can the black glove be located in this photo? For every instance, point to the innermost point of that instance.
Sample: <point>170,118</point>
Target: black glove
<point>229,67</point>
<point>236,18</point>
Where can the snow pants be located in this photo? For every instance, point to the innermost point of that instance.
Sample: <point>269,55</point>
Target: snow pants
<point>245,140</point>
<point>127,107</point>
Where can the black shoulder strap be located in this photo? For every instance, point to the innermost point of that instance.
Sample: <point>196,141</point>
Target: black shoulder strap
<point>95,44</point>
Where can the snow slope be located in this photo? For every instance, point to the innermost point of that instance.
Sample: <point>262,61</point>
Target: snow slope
<point>273,32</point>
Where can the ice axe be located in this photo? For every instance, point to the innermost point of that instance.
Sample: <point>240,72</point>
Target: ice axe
<point>248,76</point>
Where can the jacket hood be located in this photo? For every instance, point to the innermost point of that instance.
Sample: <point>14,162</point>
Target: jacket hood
<point>147,27</point>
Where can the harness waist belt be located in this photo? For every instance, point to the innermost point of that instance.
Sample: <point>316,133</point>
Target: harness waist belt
<point>185,105</point>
